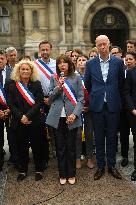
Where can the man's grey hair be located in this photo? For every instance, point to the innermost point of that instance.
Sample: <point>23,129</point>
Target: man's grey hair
<point>10,49</point>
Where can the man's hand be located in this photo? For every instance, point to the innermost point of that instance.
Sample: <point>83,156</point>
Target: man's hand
<point>2,114</point>
<point>70,119</point>
<point>85,109</point>
<point>134,112</point>
<point>25,120</point>
<point>61,82</point>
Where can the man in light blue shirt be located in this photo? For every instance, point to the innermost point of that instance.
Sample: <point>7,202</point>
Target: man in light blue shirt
<point>104,78</point>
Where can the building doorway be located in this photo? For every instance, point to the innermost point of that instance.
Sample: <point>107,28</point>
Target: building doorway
<point>113,23</point>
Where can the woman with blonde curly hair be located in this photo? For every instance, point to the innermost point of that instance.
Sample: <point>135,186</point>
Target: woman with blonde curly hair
<point>25,101</point>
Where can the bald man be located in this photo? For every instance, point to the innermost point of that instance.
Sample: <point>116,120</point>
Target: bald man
<point>104,79</point>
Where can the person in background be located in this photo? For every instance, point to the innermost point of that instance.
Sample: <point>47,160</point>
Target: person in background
<point>116,51</point>
<point>68,53</point>
<point>5,72</point>
<point>74,55</point>
<point>11,56</point>
<point>124,127</point>
<point>87,126</point>
<point>130,97</point>
<point>46,66</point>
<point>131,45</point>
<point>25,57</point>
<point>25,101</point>
<point>66,98</point>
<point>104,78</point>
<point>93,53</point>
<point>130,64</point>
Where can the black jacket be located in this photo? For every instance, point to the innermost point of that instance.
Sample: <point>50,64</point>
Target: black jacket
<point>130,89</point>
<point>19,106</point>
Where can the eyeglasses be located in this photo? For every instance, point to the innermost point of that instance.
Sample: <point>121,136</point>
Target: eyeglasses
<point>115,53</point>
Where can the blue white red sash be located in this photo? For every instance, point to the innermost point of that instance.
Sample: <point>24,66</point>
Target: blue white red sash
<point>70,92</point>
<point>83,84</point>
<point>44,68</point>
<point>27,95</point>
<point>3,96</point>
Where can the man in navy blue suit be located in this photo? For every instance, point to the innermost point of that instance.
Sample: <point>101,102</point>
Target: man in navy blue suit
<point>104,78</point>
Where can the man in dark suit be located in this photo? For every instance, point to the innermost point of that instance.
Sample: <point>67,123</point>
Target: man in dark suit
<point>4,111</point>
<point>104,79</point>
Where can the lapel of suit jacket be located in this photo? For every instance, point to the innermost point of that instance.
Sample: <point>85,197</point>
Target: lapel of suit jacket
<point>97,69</point>
<point>111,68</point>
<point>8,72</point>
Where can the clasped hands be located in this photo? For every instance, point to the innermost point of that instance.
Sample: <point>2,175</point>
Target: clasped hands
<point>70,119</point>
<point>25,120</point>
<point>4,114</point>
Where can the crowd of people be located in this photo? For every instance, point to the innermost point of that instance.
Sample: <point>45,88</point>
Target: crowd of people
<point>75,98</point>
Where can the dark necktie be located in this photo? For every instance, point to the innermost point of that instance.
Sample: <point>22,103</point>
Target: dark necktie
<point>1,77</point>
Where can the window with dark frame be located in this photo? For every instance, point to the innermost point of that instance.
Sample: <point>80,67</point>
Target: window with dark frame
<point>4,20</point>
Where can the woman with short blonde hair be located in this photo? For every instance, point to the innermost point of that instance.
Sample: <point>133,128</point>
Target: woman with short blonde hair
<point>25,101</point>
<point>15,75</point>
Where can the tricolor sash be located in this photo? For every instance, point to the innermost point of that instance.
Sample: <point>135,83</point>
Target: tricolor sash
<point>70,92</point>
<point>44,68</point>
<point>27,95</point>
<point>83,84</point>
<point>3,100</point>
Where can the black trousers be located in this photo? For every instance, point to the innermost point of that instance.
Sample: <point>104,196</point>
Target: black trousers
<point>124,129</point>
<point>12,142</point>
<point>66,149</point>
<point>132,120</point>
<point>37,138</point>
<point>1,143</point>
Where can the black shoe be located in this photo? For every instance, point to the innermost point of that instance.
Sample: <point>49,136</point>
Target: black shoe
<point>21,177</point>
<point>124,162</point>
<point>38,176</point>
<point>99,173</point>
<point>114,172</point>
<point>133,176</point>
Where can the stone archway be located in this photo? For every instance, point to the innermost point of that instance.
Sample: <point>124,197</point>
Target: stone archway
<point>113,23</point>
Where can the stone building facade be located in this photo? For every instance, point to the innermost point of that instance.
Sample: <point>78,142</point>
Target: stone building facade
<point>68,24</point>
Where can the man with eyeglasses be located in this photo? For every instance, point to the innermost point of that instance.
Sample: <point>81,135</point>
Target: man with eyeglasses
<point>116,51</point>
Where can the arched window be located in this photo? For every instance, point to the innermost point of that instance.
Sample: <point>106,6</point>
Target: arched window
<point>35,19</point>
<point>4,20</point>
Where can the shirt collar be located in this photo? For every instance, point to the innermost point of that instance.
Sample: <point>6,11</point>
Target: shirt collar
<point>48,61</point>
<point>101,60</point>
<point>3,68</point>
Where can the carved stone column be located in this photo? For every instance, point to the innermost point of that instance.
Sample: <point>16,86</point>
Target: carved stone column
<point>62,21</point>
<point>53,20</point>
<point>42,23</point>
<point>28,19</point>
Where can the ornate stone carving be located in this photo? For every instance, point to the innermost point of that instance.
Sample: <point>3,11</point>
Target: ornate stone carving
<point>68,15</point>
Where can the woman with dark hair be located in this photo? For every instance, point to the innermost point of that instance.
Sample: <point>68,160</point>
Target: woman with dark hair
<point>66,98</point>
<point>130,97</point>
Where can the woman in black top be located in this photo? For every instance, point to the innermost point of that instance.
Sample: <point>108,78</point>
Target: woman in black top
<point>130,97</point>
<point>25,101</point>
